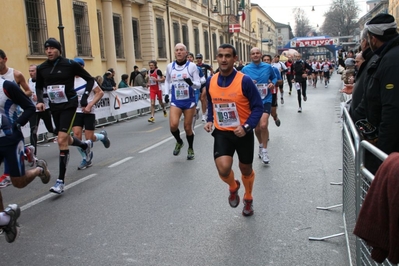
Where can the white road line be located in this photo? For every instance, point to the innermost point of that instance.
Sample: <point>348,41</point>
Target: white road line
<point>165,140</point>
<point>120,162</point>
<point>37,201</point>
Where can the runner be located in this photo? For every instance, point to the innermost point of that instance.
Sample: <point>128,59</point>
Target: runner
<point>326,67</point>
<point>155,77</point>
<point>268,60</point>
<point>281,68</point>
<point>205,68</point>
<point>234,115</point>
<point>264,78</point>
<point>182,78</point>
<point>85,117</point>
<point>57,74</point>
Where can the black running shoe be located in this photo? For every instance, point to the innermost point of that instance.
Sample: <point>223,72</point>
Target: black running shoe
<point>12,229</point>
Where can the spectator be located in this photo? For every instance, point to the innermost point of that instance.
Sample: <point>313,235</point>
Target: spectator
<point>112,77</point>
<point>107,82</point>
<point>141,79</point>
<point>133,75</point>
<point>240,66</point>
<point>382,91</point>
<point>349,71</point>
<point>123,83</point>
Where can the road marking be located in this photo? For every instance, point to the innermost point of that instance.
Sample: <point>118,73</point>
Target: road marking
<point>50,195</point>
<point>165,140</point>
<point>120,162</point>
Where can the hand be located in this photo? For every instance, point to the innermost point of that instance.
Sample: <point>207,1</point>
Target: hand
<point>40,107</point>
<point>208,126</point>
<point>167,98</point>
<point>188,81</point>
<point>240,132</point>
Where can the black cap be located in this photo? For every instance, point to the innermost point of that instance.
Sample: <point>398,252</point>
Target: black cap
<point>51,42</point>
<point>198,56</point>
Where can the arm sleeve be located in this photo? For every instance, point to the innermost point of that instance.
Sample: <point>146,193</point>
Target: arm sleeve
<point>195,76</point>
<point>273,77</point>
<point>20,98</point>
<point>39,85</point>
<point>251,92</point>
<point>81,72</point>
<point>168,80</point>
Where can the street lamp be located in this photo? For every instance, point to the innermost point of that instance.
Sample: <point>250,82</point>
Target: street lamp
<point>231,28</point>
<point>61,29</point>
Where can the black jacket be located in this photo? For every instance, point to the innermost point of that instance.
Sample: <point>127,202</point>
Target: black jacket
<point>382,96</point>
<point>357,110</point>
<point>107,84</point>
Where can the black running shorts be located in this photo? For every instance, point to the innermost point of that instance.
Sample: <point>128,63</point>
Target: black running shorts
<point>226,143</point>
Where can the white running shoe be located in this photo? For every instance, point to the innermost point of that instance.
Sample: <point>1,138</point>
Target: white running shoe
<point>203,118</point>
<point>265,157</point>
<point>300,110</point>
<point>58,188</point>
<point>260,152</point>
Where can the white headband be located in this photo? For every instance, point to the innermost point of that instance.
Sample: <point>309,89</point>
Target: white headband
<point>379,29</point>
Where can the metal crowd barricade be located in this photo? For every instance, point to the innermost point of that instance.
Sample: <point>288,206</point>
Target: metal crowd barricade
<point>356,180</point>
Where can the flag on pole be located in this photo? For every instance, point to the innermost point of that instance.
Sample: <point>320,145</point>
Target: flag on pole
<point>234,28</point>
<point>242,5</point>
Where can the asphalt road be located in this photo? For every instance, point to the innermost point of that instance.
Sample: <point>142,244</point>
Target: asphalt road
<point>140,205</point>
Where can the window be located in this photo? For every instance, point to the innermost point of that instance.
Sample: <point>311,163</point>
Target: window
<point>196,41</point>
<point>118,36</point>
<point>100,34</point>
<point>206,42</point>
<point>215,45</point>
<point>176,32</point>
<point>82,29</point>
<point>205,2</point>
<point>136,38</point>
<point>186,40</point>
<point>37,26</point>
<point>161,38</point>
<point>221,39</point>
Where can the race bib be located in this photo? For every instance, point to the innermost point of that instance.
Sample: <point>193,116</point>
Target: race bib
<point>181,90</point>
<point>56,93</point>
<point>152,81</point>
<point>227,114</point>
<point>263,89</point>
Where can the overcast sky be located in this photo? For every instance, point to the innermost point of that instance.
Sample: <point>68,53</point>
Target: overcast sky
<point>282,11</point>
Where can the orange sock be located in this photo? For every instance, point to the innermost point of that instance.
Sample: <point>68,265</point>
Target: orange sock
<point>230,180</point>
<point>248,182</point>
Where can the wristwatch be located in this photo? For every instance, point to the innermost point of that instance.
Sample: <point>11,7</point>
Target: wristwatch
<point>246,127</point>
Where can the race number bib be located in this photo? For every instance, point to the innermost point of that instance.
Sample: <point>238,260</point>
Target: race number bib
<point>227,114</point>
<point>181,90</point>
<point>152,81</point>
<point>56,93</point>
<point>262,88</point>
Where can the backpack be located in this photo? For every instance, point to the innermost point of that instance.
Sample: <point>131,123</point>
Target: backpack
<point>299,68</point>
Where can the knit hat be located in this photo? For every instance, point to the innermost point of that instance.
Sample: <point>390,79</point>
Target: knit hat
<point>79,60</point>
<point>143,70</point>
<point>349,62</point>
<point>382,25</point>
<point>53,43</point>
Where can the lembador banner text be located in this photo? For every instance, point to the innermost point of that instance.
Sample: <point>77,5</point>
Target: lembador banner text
<point>113,103</point>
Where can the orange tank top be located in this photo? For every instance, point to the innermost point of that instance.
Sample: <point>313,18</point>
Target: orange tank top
<point>230,106</point>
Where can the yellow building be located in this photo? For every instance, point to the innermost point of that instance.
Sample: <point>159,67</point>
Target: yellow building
<point>122,33</point>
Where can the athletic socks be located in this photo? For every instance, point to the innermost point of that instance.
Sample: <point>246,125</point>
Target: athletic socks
<point>99,136</point>
<point>230,181</point>
<point>248,182</point>
<point>176,134</point>
<point>64,158</point>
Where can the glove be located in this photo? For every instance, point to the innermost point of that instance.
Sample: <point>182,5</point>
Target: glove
<point>188,81</point>
<point>166,98</point>
<point>83,101</point>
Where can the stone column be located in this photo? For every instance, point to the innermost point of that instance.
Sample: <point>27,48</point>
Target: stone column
<point>109,39</point>
<point>128,32</point>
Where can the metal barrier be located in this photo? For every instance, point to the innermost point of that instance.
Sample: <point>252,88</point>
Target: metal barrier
<point>356,180</point>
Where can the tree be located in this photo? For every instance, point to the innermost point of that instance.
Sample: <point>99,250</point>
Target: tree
<point>302,24</point>
<point>341,18</point>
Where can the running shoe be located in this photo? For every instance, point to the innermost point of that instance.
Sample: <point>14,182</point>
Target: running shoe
<point>234,198</point>
<point>177,149</point>
<point>5,181</point>
<point>278,122</point>
<point>151,119</point>
<point>203,118</point>
<point>106,140</point>
<point>325,86</point>
<point>282,100</point>
<point>248,208</point>
<point>58,188</point>
<point>190,154</point>
<point>30,155</point>
<point>289,93</point>
<point>88,149</point>
<point>300,110</point>
<point>84,164</point>
<point>165,114</point>
<point>305,98</point>
<point>45,174</point>
<point>265,157</point>
<point>11,230</point>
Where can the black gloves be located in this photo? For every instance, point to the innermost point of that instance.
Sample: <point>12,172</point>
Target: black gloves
<point>166,98</point>
<point>83,101</point>
<point>188,81</point>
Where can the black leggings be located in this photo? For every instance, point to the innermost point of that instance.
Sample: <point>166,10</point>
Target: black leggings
<point>301,91</point>
<point>289,80</point>
<point>34,125</point>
